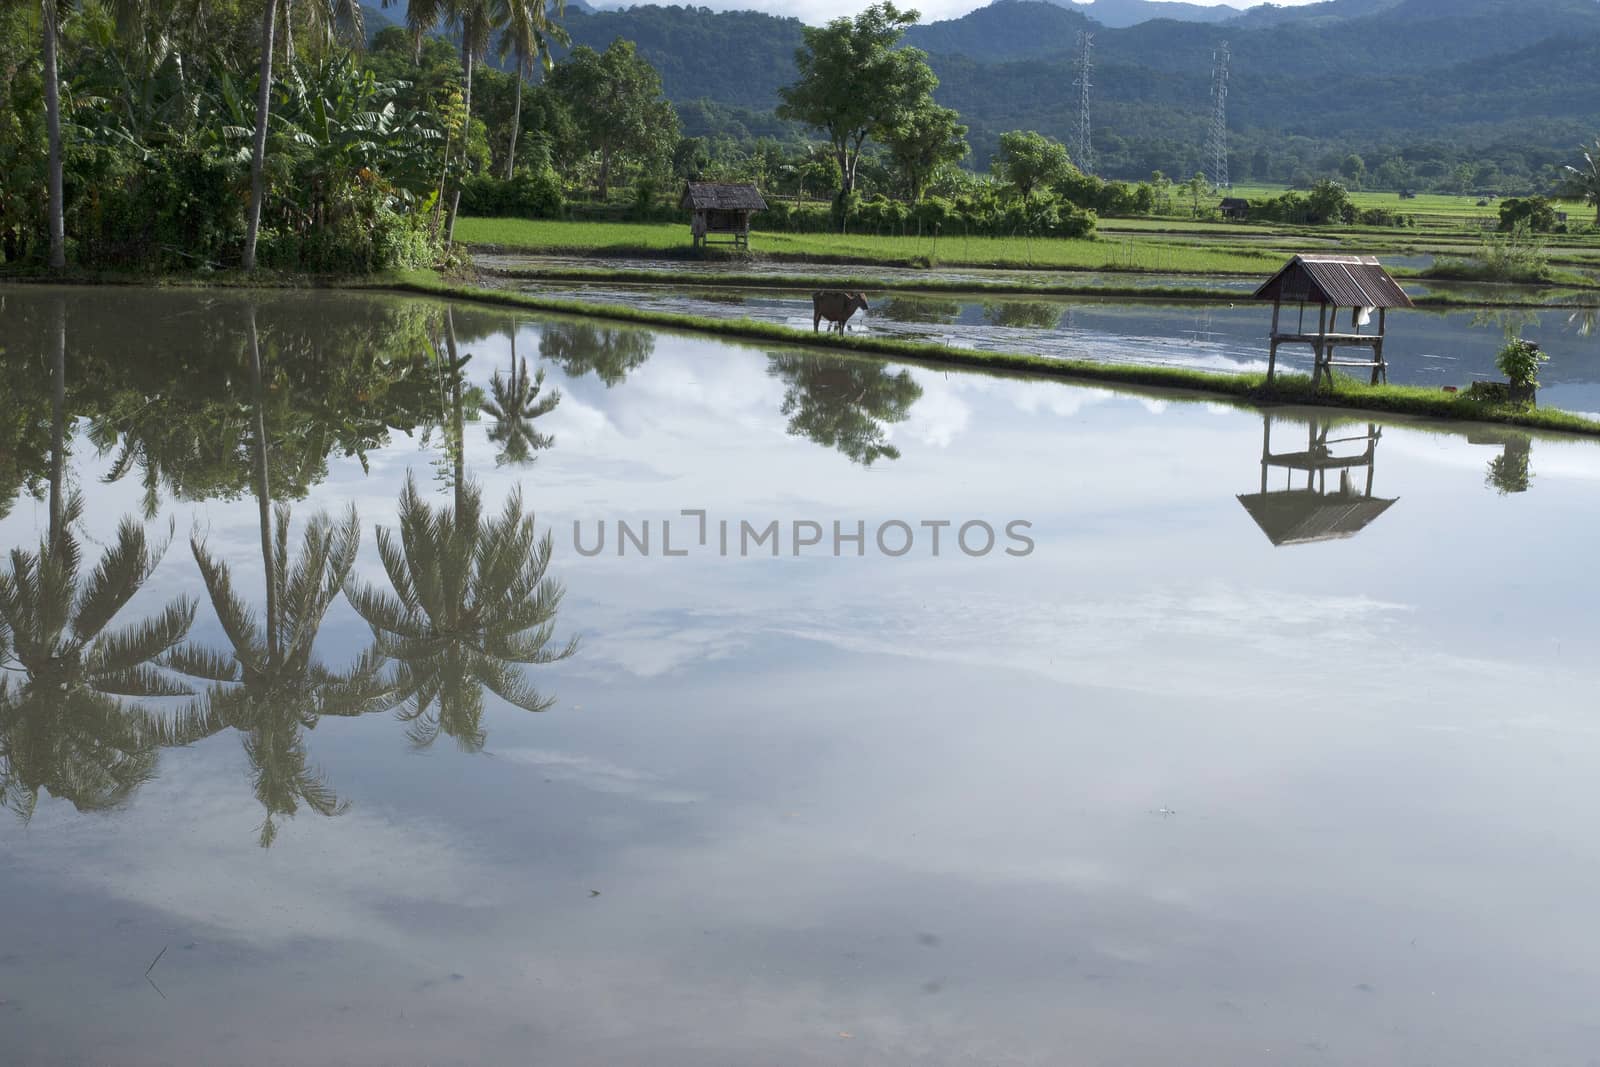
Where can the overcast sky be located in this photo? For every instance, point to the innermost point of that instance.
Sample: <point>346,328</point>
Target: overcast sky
<point>818,11</point>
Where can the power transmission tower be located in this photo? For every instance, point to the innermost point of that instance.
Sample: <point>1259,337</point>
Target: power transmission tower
<point>1083,150</point>
<point>1217,148</point>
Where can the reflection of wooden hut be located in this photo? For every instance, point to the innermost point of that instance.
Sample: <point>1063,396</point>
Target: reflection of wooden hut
<point>721,208</point>
<point>1300,515</point>
<point>1333,282</point>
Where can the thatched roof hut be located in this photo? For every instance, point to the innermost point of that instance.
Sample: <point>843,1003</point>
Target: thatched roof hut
<point>721,208</point>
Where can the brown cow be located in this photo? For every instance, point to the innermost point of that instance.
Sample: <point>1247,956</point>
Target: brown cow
<point>836,307</point>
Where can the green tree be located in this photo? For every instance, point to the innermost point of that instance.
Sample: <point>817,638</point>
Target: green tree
<point>615,101</point>
<point>1027,161</point>
<point>525,39</point>
<point>1584,182</point>
<point>1353,169</point>
<point>474,22</point>
<point>1196,189</point>
<point>1328,202</point>
<point>854,80</point>
<point>921,142</point>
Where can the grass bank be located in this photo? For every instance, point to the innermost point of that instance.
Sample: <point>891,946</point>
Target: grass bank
<point>1248,388</point>
<point>668,240</point>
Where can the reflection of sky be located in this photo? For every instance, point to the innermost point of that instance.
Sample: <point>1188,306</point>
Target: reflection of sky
<point>1423,347</point>
<point>918,802</point>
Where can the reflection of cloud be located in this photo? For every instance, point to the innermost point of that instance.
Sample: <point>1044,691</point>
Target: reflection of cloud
<point>939,416</point>
<point>201,805</point>
<point>597,774</point>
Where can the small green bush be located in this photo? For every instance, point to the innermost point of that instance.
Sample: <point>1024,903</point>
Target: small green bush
<point>1519,362</point>
<point>528,195</point>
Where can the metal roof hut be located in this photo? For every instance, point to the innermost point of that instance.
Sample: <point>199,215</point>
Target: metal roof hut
<point>721,208</point>
<point>1234,208</point>
<point>1333,282</point>
<point>1298,516</point>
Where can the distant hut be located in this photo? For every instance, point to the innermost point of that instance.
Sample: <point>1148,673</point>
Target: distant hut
<point>1298,514</point>
<point>1234,208</point>
<point>1333,282</point>
<point>721,208</point>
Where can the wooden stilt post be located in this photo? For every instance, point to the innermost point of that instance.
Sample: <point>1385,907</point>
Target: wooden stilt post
<point>1380,370</point>
<point>1272,347</point>
<point>1266,447</point>
<point>1320,367</point>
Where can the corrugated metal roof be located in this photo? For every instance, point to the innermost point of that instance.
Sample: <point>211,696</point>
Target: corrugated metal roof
<point>722,196</point>
<point>1342,281</point>
<point>1301,516</point>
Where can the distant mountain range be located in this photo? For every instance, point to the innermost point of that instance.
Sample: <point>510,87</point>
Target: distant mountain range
<point>1515,80</point>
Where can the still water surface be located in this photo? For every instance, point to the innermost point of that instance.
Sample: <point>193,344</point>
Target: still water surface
<point>1424,347</point>
<point>1225,770</point>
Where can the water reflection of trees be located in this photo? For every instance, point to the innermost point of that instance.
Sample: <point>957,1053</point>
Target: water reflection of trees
<point>609,352</point>
<point>74,726</point>
<point>920,309</point>
<point>468,604</point>
<point>94,702</point>
<point>846,405</point>
<point>516,402</point>
<point>1032,314</point>
<point>1512,470</point>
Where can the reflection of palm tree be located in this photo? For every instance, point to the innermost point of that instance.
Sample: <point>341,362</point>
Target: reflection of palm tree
<point>514,404</point>
<point>609,351</point>
<point>844,404</point>
<point>471,603</point>
<point>65,729</point>
<point>269,685</point>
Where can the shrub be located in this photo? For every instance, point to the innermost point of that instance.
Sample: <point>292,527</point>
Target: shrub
<point>1536,211</point>
<point>1519,362</point>
<point>528,195</point>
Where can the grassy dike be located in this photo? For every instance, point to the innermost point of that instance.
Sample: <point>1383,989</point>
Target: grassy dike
<point>1244,388</point>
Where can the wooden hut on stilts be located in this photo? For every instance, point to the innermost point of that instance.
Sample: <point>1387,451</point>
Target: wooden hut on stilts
<point>721,209</point>
<point>1333,283</point>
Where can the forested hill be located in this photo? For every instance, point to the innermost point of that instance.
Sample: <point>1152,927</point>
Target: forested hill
<point>1508,77</point>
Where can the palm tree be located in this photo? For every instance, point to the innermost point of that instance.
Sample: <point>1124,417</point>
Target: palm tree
<point>323,13</point>
<point>526,36</point>
<point>514,405</point>
<point>470,604</point>
<point>51,17</point>
<point>475,22</point>
<point>1584,181</point>
<point>258,149</point>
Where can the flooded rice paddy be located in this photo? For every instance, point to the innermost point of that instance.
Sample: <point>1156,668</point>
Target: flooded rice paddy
<point>1425,347</point>
<point>1240,737</point>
